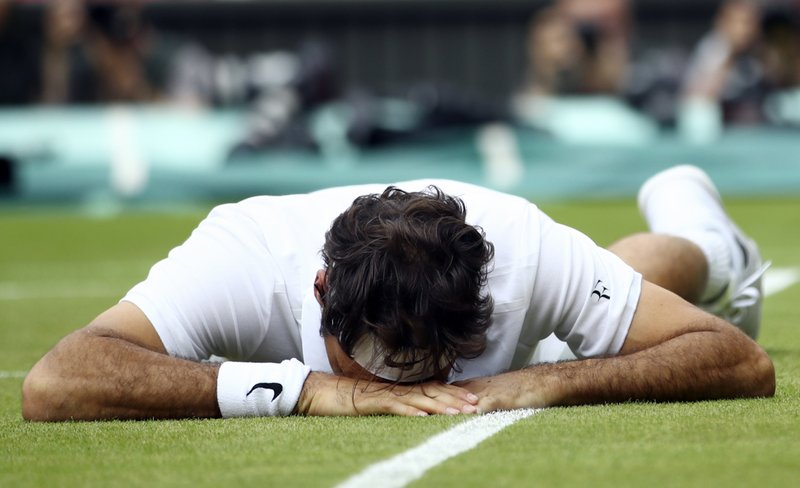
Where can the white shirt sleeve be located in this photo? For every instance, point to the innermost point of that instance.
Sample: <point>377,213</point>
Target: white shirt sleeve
<point>211,295</point>
<point>585,294</point>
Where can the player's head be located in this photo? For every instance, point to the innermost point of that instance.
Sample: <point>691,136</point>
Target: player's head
<point>404,293</point>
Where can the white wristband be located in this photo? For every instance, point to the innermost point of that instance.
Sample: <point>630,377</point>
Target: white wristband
<point>260,389</point>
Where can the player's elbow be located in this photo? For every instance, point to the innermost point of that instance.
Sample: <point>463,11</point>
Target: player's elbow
<point>45,394</point>
<point>763,374</point>
<point>38,403</point>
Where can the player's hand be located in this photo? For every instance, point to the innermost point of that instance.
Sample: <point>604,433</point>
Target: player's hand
<point>516,389</point>
<point>325,394</point>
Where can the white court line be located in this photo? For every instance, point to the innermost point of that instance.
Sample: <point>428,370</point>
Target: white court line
<point>33,291</point>
<point>12,374</point>
<point>778,279</point>
<point>412,464</point>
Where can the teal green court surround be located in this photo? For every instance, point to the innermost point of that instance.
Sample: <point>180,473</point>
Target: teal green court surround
<point>159,154</point>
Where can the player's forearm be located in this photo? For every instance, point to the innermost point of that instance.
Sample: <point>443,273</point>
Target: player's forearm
<point>116,380</point>
<point>703,365</point>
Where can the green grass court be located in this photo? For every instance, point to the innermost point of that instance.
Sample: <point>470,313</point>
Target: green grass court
<point>58,269</point>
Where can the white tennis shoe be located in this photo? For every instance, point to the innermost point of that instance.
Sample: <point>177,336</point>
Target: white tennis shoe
<point>689,198</point>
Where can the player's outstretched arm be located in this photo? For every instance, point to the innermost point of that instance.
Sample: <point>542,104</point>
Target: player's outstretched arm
<point>673,352</point>
<point>117,367</point>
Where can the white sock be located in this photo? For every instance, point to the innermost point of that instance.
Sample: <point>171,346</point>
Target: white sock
<point>684,208</point>
<point>716,248</point>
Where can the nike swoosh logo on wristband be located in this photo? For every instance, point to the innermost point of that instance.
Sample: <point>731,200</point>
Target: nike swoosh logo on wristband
<point>276,388</point>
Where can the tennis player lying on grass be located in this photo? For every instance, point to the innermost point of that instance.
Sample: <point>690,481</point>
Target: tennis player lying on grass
<point>427,302</point>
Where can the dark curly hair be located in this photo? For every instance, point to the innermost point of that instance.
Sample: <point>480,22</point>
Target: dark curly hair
<point>406,268</point>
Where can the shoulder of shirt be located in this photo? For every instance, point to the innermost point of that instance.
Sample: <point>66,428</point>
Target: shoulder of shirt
<point>452,187</point>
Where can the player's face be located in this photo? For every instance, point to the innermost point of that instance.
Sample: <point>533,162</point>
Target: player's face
<point>344,365</point>
<point>341,363</point>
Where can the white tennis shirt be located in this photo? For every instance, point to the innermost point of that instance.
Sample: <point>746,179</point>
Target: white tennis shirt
<point>241,286</point>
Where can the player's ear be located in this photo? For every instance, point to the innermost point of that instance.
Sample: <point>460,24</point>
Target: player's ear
<point>321,285</point>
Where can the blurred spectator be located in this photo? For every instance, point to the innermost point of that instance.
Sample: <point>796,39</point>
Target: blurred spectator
<point>63,34</point>
<point>281,89</point>
<point>298,103</point>
<point>655,81</point>
<point>579,47</point>
<point>605,28</point>
<point>781,38</point>
<point>18,70</point>
<point>726,70</point>
<point>554,55</point>
<point>106,52</point>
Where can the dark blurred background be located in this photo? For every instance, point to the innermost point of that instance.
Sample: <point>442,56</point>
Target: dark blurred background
<point>336,77</point>
<point>382,44</point>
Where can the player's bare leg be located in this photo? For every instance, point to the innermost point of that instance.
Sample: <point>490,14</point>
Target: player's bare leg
<point>671,262</point>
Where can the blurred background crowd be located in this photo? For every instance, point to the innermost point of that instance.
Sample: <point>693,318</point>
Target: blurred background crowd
<point>699,64</point>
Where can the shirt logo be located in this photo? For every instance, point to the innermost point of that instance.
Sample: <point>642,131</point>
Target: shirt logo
<point>600,291</point>
<point>276,388</point>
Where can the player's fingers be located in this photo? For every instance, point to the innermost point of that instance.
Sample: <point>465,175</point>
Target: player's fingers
<point>407,400</point>
<point>475,387</point>
<point>462,393</point>
<point>396,408</point>
<point>449,393</point>
<point>430,398</point>
<point>443,403</point>
<point>384,402</point>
